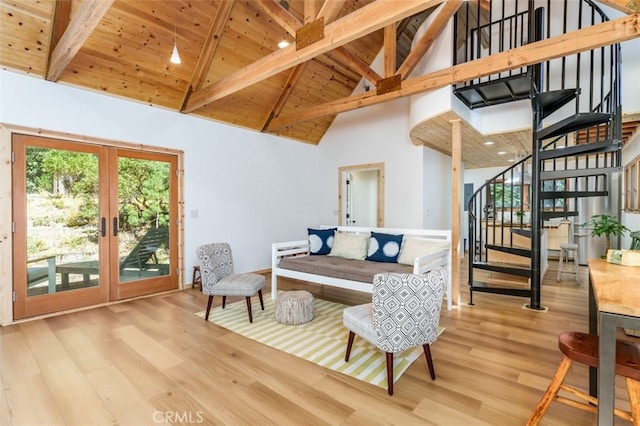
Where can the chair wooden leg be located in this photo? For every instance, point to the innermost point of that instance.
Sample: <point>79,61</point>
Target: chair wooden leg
<point>633,388</point>
<point>427,354</point>
<point>349,345</point>
<point>224,301</point>
<point>249,308</point>
<point>551,393</point>
<point>206,316</point>
<point>261,301</point>
<point>390,373</point>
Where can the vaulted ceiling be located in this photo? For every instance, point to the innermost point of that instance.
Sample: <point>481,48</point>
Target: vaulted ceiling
<point>232,69</point>
<point>123,47</point>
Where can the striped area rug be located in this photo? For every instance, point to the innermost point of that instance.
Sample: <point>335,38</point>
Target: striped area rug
<point>322,341</point>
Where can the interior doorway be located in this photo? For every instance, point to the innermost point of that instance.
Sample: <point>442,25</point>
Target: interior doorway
<point>361,195</point>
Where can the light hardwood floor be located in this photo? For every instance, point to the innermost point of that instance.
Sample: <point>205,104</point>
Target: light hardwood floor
<point>152,361</point>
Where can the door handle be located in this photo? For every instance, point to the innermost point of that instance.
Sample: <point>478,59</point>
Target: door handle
<point>103,231</point>
<point>115,226</point>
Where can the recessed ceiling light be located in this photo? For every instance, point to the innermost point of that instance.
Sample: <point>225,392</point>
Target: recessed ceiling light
<point>502,152</point>
<point>489,143</point>
<point>283,44</point>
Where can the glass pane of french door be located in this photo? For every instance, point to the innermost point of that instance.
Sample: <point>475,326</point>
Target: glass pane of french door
<point>58,240</point>
<point>146,249</point>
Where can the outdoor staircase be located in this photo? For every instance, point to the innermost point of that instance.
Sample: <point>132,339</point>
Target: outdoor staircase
<point>576,145</point>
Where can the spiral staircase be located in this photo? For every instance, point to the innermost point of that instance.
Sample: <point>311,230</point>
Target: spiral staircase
<point>576,136</point>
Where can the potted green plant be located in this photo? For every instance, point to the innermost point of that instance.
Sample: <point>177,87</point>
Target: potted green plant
<point>603,224</point>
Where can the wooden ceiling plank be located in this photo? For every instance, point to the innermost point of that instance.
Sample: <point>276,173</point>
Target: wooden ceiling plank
<point>83,23</point>
<point>363,21</point>
<point>389,50</point>
<point>209,47</point>
<point>596,36</point>
<point>624,6</point>
<point>283,17</point>
<point>354,62</point>
<point>429,37</point>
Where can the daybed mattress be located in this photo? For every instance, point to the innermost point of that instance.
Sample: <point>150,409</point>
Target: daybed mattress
<point>338,267</point>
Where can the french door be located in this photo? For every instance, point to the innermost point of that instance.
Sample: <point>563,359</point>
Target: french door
<point>92,224</point>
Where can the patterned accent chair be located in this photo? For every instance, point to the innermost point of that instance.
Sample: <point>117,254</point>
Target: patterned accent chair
<point>405,313</point>
<point>218,279</point>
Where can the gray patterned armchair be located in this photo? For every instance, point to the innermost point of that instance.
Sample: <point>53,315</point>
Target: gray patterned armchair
<point>218,279</point>
<point>405,313</point>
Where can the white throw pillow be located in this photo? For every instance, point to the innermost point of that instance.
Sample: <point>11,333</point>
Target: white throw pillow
<point>349,246</point>
<point>414,247</point>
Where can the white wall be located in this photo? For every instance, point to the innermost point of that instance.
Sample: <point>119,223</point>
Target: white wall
<point>377,134</point>
<point>247,188</point>
<point>438,188</point>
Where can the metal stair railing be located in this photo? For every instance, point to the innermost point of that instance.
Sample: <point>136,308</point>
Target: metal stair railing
<point>571,158</point>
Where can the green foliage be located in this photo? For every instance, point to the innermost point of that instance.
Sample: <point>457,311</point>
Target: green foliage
<point>603,224</point>
<point>143,189</point>
<point>76,171</point>
<point>36,245</point>
<point>87,213</point>
<point>42,221</point>
<point>34,169</point>
<point>58,203</point>
<point>506,196</point>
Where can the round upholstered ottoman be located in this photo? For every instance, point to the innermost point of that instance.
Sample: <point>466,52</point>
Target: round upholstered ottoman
<point>294,307</point>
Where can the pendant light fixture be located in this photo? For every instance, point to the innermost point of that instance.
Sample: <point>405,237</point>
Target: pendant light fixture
<point>175,56</point>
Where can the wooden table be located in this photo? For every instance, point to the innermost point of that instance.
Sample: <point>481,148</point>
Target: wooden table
<point>614,294</point>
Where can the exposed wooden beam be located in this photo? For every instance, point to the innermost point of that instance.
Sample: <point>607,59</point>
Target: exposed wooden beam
<point>209,47</point>
<point>310,10</point>
<point>330,10</point>
<point>436,27</point>
<point>363,21</point>
<point>283,17</point>
<point>624,6</point>
<point>85,20</point>
<point>61,19</point>
<point>354,62</point>
<point>284,95</point>
<point>603,34</point>
<point>390,50</point>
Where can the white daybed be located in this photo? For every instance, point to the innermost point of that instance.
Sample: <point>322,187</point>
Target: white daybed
<point>422,264</point>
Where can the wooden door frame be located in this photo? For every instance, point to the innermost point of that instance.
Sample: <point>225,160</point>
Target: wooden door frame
<point>6,200</point>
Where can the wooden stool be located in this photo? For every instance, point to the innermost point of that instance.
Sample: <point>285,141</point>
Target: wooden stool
<point>565,251</point>
<point>583,348</point>
<point>197,277</point>
<point>294,307</point>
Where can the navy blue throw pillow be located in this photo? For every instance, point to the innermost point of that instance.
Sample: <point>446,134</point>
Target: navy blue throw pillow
<point>384,247</point>
<point>320,240</point>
